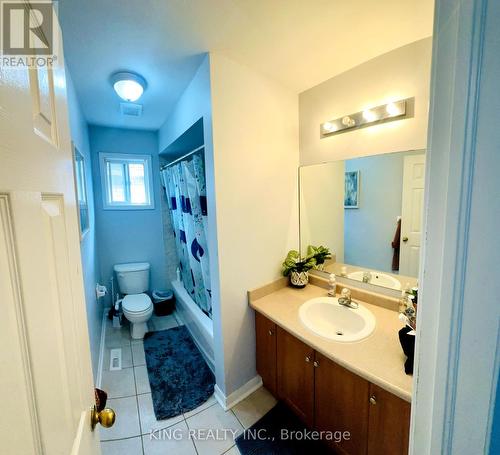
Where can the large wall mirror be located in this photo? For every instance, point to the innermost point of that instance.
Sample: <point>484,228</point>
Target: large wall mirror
<point>368,212</point>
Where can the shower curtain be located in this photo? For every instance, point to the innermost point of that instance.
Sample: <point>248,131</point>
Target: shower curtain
<point>185,187</point>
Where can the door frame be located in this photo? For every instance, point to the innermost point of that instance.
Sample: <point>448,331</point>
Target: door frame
<point>450,376</point>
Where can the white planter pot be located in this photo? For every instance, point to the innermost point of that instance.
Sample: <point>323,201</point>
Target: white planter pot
<point>299,279</point>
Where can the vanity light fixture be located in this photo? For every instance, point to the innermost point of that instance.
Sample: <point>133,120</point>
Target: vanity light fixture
<point>330,127</point>
<point>128,86</point>
<point>369,115</point>
<point>395,110</point>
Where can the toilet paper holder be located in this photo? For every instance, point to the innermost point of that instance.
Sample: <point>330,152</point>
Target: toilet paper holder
<point>100,290</point>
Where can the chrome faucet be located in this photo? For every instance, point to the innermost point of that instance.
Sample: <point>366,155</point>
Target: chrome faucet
<point>346,300</point>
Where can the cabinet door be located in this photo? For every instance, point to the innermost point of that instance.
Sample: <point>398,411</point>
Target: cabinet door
<point>389,423</point>
<point>265,340</point>
<point>296,375</point>
<point>341,404</point>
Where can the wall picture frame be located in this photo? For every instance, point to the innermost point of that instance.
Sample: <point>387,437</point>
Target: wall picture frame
<point>81,191</point>
<point>351,190</point>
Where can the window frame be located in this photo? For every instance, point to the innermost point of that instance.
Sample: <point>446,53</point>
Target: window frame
<point>126,159</point>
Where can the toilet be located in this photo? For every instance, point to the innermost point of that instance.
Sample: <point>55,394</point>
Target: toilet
<point>133,282</point>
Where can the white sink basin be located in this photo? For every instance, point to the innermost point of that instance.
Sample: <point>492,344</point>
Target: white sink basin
<point>379,279</point>
<point>327,318</point>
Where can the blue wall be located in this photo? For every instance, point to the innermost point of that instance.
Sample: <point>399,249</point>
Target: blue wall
<point>495,429</point>
<point>80,137</point>
<point>369,230</point>
<point>128,235</point>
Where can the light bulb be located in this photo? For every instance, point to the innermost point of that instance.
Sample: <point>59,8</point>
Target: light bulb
<point>369,115</point>
<point>392,109</point>
<point>329,127</point>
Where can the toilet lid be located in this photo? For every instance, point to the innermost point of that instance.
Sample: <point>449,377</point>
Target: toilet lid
<point>135,303</point>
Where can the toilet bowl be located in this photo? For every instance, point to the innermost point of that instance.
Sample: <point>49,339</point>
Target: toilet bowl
<point>137,308</point>
<point>133,281</point>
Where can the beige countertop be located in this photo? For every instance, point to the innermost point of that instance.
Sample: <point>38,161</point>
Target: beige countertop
<point>378,358</point>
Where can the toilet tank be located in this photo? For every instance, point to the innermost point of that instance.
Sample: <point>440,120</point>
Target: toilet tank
<point>133,278</point>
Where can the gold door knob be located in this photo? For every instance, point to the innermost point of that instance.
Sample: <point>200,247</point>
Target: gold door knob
<point>106,417</point>
<point>405,239</point>
<point>373,399</point>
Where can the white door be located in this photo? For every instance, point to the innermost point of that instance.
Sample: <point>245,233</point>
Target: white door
<point>46,384</point>
<point>411,214</point>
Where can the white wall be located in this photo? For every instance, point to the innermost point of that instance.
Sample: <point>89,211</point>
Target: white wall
<point>401,73</point>
<point>255,132</point>
<point>322,207</point>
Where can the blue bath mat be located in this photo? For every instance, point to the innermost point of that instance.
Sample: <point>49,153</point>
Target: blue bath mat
<point>268,436</point>
<point>179,376</point>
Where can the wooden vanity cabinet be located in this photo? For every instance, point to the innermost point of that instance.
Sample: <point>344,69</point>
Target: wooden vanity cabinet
<point>295,375</point>
<point>389,423</point>
<point>328,397</point>
<point>265,334</point>
<point>341,405</point>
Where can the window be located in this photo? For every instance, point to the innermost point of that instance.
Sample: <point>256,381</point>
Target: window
<point>81,191</point>
<point>127,181</point>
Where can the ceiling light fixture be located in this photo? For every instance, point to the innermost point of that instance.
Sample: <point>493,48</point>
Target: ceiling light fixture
<point>128,86</point>
<point>395,110</point>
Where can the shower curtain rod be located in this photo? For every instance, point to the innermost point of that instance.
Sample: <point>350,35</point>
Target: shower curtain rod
<point>183,157</point>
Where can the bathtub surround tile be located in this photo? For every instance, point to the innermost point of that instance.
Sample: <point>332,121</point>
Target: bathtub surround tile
<point>142,380</point>
<point>138,354</point>
<point>130,446</point>
<point>174,440</point>
<point>127,419</point>
<point>214,418</point>
<point>254,407</point>
<point>126,357</point>
<point>147,415</point>
<point>119,383</point>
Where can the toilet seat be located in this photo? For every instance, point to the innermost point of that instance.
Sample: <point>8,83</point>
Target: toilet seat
<point>136,304</point>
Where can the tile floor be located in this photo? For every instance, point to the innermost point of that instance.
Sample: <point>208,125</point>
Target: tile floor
<point>136,430</point>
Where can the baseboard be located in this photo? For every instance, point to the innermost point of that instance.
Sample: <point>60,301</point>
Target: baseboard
<point>238,395</point>
<point>101,349</point>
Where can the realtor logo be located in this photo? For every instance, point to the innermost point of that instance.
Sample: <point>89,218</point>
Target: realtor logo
<point>27,31</point>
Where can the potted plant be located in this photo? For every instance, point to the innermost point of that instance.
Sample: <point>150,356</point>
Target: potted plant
<point>320,255</point>
<point>296,268</point>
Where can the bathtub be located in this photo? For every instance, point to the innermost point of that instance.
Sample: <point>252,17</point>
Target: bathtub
<point>200,326</point>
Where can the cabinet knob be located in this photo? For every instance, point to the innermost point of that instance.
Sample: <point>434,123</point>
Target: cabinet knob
<point>316,364</point>
<point>308,359</point>
<point>373,399</point>
<point>271,333</point>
